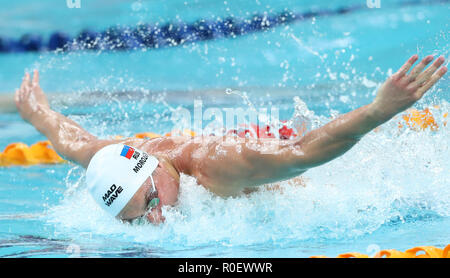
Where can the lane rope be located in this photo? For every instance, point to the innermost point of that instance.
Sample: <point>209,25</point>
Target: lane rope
<point>152,36</point>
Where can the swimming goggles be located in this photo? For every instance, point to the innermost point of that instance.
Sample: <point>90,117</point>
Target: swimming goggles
<point>153,196</point>
<point>152,203</point>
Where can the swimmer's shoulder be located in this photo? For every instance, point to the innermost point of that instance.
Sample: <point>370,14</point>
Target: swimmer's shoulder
<point>159,145</point>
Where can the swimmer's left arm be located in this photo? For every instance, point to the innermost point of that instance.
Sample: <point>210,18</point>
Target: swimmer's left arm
<point>399,92</point>
<point>255,162</point>
<point>68,138</point>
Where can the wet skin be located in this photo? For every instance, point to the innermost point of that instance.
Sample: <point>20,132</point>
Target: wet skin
<point>229,166</point>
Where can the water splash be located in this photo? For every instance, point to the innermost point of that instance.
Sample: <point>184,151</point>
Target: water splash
<point>392,176</point>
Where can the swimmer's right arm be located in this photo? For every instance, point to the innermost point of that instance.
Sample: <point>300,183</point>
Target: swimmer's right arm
<point>68,138</point>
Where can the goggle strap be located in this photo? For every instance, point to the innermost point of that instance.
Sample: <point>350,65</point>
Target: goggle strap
<point>153,183</point>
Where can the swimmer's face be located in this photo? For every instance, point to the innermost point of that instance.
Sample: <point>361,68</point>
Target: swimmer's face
<point>167,183</point>
<point>137,206</point>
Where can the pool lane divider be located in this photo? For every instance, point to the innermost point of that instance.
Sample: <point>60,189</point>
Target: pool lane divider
<point>20,154</point>
<point>148,36</point>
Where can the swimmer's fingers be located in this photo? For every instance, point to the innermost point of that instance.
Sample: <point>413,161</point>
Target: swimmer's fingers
<point>425,76</point>
<point>434,78</point>
<point>419,68</point>
<point>35,78</point>
<point>25,82</point>
<point>405,68</point>
<point>24,87</point>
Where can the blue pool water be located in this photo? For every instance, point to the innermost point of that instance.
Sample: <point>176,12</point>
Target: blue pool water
<point>390,191</point>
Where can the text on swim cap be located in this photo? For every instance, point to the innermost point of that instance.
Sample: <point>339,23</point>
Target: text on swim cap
<point>141,163</point>
<point>112,194</point>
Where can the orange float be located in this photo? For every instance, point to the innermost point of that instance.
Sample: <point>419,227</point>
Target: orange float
<point>352,255</point>
<point>429,252</point>
<point>416,252</point>
<point>186,132</point>
<point>392,253</point>
<point>420,120</point>
<point>147,135</point>
<point>20,154</point>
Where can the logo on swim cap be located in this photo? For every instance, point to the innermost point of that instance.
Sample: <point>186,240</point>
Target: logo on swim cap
<point>112,194</point>
<point>127,152</point>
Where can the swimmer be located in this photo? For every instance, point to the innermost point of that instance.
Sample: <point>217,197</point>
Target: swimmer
<point>134,178</point>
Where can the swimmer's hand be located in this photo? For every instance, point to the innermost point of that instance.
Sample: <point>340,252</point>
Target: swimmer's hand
<point>403,89</point>
<point>30,99</point>
<point>67,137</point>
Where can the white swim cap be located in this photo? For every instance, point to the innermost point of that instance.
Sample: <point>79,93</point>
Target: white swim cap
<point>115,174</point>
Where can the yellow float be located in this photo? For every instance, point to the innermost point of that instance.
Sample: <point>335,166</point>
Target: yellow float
<point>16,154</point>
<point>20,154</point>
<point>421,119</point>
<point>416,252</point>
